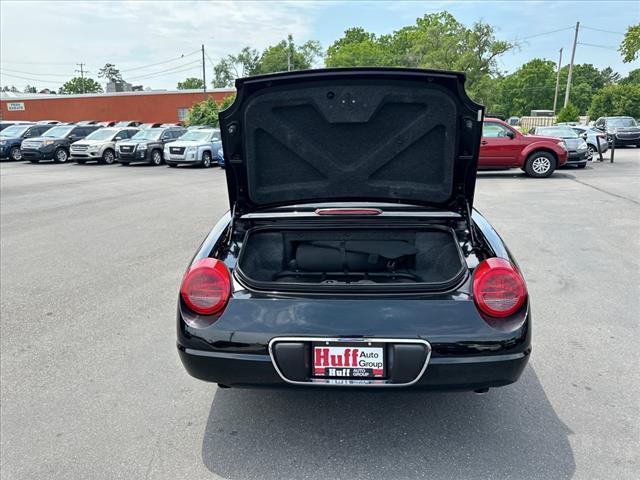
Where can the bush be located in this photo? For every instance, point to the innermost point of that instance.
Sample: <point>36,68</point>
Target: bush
<point>570,113</point>
<point>206,112</point>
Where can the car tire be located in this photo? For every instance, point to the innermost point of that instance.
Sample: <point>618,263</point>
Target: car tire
<point>156,158</point>
<point>592,152</point>
<point>206,160</point>
<point>540,165</point>
<point>61,155</point>
<point>108,157</point>
<point>15,154</point>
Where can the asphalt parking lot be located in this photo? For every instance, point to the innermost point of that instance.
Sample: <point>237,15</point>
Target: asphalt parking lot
<point>92,387</point>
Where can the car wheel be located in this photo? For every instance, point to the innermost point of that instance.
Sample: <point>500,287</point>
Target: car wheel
<point>61,155</point>
<point>15,154</point>
<point>206,160</point>
<point>156,158</point>
<point>108,156</point>
<point>592,152</point>
<point>540,165</point>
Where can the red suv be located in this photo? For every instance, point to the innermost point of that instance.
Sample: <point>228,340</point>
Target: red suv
<point>504,147</point>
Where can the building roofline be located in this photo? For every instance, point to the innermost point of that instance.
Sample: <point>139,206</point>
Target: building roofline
<point>45,96</point>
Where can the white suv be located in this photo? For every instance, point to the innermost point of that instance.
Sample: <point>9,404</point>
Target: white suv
<point>100,145</point>
<point>194,147</point>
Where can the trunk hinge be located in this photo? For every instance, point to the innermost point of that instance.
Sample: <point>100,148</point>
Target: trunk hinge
<point>231,226</point>
<point>465,209</point>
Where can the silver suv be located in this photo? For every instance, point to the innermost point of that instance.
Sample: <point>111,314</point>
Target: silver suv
<point>100,145</point>
<point>198,146</point>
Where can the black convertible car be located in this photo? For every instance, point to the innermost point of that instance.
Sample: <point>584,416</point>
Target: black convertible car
<point>352,255</point>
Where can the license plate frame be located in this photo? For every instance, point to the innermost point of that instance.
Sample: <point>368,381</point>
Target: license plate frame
<point>334,359</point>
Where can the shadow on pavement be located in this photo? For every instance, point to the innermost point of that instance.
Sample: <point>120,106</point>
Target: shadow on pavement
<point>510,433</point>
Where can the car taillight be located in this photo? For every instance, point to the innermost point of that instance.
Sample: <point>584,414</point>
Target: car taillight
<point>498,288</point>
<point>206,286</point>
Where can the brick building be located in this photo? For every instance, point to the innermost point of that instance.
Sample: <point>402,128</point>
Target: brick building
<point>147,106</point>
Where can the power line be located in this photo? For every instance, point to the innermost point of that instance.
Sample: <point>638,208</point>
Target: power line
<point>607,47</point>
<point>604,31</point>
<point>545,33</point>
<point>38,63</point>
<point>34,73</point>
<point>163,74</point>
<point>168,70</point>
<point>160,63</point>
<point>42,80</point>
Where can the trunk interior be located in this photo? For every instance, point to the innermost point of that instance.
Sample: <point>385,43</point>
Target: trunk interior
<point>424,257</point>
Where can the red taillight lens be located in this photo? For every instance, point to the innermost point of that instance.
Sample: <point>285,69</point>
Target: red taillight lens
<point>498,288</point>
<point>206,287</point>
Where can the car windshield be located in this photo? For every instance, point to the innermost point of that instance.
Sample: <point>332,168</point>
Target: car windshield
<point>122,124</point>
<point>150,134</point>
<point>562,132</point>
<point>102,134</point>
<point>197,135</point>
<point>58,132</point>
<point>14,131</point>
<point>622,122</point>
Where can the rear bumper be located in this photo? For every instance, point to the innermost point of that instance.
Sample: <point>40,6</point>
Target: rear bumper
<point>577,158</point>
<point>441,373</point>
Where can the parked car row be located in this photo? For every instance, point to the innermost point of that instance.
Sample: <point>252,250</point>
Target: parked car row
<point>123,142</point>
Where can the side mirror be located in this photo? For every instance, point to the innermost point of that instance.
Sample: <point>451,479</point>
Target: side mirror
<point>511,135</point>
<point>118,138</point>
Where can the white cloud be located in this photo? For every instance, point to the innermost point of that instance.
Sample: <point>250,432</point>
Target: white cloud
<point>134,33</point>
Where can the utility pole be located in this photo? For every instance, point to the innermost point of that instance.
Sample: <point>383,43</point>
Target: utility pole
<point>555,97</point>
<point>81,65</point>
<point>573,54</point>
<point>204,76</point>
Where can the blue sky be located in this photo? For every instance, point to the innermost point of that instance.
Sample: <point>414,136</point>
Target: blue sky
<point>137,34</point>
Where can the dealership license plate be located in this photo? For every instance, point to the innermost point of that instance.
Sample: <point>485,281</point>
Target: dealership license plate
<point>348,360</point>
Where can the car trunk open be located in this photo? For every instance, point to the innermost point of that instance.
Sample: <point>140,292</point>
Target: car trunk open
<point>351,258</point>
<point>395,136</point>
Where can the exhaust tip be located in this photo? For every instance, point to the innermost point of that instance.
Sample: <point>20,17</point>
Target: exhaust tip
<point>481,391</point>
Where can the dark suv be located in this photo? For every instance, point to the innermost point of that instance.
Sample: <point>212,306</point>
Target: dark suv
<point>11,138</point>
<point>54,143</point>
<point>620,130</point>
<point>146,146</point>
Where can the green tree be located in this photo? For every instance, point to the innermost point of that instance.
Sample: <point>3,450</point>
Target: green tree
<point>75,85</point>
<point>630,46</point>
<point>632,78</point>
<point>206,112</point>
<point>570,113</point>
<point>616,100</point>
<point>530,87</point>
<point>11,88</point>
<point>242,64</point>
<point>191,83</point>
<point>286,55</point>
<point>110,72</point>
<point>436,41</point>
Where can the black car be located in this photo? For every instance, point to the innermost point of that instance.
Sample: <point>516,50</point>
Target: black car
<point>622,131</point>
<point>147,145</point>
<point>11,138</point>
<point>8,123</point>
<point>54,143</point>
<point>352,255</point>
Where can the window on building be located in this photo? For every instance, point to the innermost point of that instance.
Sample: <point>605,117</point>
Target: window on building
<point>182,114</point>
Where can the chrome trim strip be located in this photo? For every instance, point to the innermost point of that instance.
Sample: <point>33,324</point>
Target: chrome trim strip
<point>228,355</point>
<point>257,215</point>
<point>344,382</point>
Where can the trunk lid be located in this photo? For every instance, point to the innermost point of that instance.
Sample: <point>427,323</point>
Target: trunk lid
<point>357,134</point>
